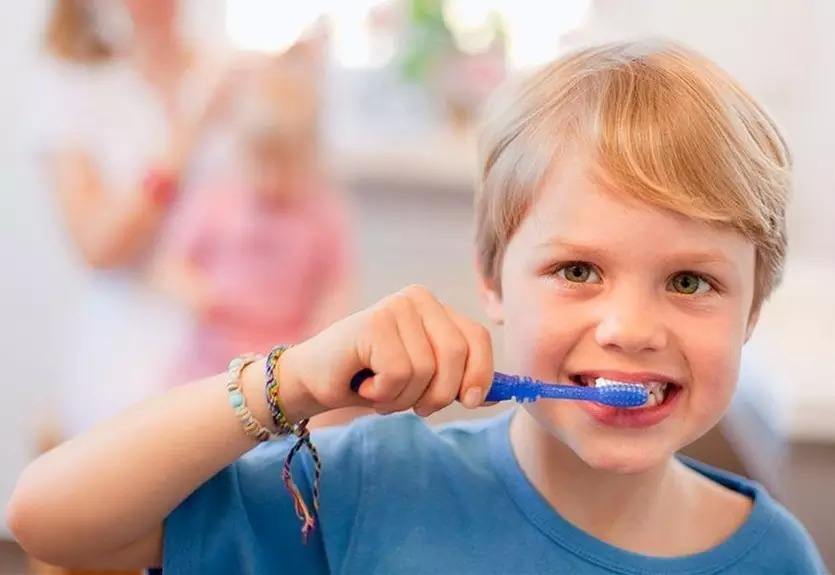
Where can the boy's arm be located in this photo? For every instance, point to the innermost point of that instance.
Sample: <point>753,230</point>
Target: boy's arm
<point>99,500</point>
<point>108,491</point>
<point>136,555</point>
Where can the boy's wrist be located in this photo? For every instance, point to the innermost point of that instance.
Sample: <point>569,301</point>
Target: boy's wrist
<point>296,403</point>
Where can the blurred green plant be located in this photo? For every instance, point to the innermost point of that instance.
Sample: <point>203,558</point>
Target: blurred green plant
<point>427,40</point>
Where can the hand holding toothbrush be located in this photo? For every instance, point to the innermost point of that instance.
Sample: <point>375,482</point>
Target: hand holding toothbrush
<point>411,351</point>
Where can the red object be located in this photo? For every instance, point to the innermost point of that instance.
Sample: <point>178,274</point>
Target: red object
<point>161,187</point>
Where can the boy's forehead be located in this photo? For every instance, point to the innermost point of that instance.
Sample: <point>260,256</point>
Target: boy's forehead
<point>573,210</point>
<point>571,199</point>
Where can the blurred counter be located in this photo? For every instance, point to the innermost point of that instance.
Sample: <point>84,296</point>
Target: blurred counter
<point>781,425</point>
<point>788,369</point>
<point>442,162</point>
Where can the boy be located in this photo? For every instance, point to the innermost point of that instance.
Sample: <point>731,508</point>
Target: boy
<point>630,225</point>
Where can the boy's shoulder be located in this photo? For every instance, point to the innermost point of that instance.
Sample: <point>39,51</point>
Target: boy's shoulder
<point>775,539</point>
<point>793,546</point>
<point>786,546</point>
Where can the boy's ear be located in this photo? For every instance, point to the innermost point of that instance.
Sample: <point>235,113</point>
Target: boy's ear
<point>491,299</point>
<point>753,318</point>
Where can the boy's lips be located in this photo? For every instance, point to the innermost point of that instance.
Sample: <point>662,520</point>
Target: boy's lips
<point>631,417</point>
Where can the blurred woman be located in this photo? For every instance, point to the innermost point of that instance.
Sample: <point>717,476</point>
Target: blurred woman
<point>115,128</point>
<point>115,134</point>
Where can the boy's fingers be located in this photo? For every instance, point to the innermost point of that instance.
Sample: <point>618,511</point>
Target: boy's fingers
<point>478,373</point>
<point>450,349</point>
<point>416,342</point>
<point>387,358</point>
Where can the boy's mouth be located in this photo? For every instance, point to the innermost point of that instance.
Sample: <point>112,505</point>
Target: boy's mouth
<point>661,388</point>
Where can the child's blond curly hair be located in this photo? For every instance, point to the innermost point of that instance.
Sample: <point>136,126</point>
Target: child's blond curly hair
<point>661,124</point>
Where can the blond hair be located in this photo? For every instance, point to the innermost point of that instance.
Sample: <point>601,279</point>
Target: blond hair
<point>71,33</point>
<point>662,124</point>
<point>280,103</point>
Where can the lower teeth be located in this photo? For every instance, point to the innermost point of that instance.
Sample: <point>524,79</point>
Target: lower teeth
<point>656,392</point>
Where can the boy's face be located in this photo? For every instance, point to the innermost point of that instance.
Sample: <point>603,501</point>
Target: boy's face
<point>593,283</point>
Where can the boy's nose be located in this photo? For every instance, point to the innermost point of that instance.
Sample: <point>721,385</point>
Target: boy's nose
<point>631,326</point>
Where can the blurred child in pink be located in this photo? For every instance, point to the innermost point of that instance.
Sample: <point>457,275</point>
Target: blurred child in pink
<point>263,256</point>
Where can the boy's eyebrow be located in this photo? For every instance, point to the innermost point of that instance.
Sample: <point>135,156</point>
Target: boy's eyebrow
<point>696,257</point>
<point>708,257</point>
<point>590,251</point>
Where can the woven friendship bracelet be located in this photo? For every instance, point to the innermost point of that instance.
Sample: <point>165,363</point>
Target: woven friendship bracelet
<point>272,390</point>
<point>238,402</point>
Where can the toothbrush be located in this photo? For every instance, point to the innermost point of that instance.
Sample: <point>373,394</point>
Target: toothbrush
<point>524,389</point>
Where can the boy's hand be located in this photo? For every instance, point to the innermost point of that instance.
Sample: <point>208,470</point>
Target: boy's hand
<point>424,356</point>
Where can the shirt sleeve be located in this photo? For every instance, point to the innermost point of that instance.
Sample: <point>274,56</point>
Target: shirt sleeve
<point>790,548</point>
<point>243,521</point>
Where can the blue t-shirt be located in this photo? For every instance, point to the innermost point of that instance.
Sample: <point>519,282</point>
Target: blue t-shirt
<point>398,496</point>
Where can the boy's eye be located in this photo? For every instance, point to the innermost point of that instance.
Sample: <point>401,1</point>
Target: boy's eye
<point>688,283</point>
<point>578,272</point>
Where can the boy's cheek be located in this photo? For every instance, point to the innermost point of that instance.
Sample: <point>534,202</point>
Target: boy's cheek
<point>532,350</point>
<point>538,337</point>
<point>714,390</point>
<point>714,373</point>
<point>714,362</point>
<point>521,346</point>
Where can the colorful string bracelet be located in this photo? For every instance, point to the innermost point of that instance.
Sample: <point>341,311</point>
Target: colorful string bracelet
<point>301,431</point>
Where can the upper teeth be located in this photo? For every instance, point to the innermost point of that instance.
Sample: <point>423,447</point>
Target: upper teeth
<point>657,389</point>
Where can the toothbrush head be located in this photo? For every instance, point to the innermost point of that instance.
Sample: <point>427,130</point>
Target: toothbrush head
<point>622,395</point>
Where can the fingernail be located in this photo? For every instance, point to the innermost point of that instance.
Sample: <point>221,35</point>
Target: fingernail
<point>473,397</point>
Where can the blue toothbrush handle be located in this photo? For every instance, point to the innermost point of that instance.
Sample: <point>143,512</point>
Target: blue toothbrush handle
<point>359,377</point>
<point>522,388</point>
<point>503,387</point>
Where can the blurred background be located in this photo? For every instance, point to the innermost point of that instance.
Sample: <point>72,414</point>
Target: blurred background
<point>152,152</point>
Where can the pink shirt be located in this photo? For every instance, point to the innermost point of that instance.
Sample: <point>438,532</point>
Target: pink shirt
<point>267,264</point>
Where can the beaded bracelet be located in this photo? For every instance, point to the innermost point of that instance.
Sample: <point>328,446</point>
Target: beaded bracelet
<point>238,401</point>
<point>300,430</point>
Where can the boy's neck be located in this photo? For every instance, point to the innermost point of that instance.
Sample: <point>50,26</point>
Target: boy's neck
<point>631,511</point>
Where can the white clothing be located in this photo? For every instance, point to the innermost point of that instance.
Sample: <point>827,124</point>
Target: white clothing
<point>122,343</point>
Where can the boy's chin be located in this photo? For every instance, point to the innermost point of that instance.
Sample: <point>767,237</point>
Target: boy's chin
<point>612,450</point>
<point>622,458</point>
